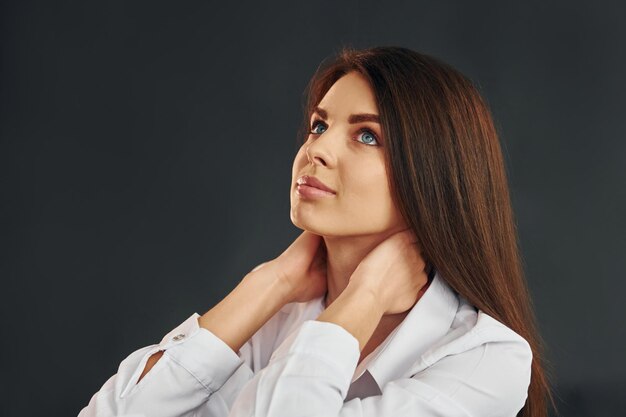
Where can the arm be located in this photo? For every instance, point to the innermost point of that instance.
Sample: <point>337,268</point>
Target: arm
<point>483,373</point>
<point>195,362</point>
<point>356,310</point>
<point>237,317</point>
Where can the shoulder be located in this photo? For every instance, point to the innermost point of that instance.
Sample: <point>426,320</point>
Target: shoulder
<point>481,364</point>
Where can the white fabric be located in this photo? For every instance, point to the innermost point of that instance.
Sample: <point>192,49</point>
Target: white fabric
<point>444,359</point>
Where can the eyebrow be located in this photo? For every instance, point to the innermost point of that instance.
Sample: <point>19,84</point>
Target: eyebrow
<point>354,118</point>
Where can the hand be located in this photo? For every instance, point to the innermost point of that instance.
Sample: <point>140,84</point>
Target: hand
<point>394,271</point>
<point>301,267</point>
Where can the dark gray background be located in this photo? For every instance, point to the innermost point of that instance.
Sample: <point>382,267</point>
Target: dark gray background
<point>146,153</point>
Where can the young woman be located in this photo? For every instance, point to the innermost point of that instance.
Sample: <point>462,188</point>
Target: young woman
<point>403,296</point>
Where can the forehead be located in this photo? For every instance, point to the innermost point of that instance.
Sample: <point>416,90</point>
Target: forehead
<point>349,94</point>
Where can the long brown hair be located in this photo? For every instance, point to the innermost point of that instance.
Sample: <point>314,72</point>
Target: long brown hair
<point>448,180</point>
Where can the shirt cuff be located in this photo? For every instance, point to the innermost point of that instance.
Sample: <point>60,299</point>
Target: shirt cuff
<point>327,341</point>
<point>199,351</point>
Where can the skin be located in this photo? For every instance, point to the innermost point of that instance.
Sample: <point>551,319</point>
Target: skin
<point>362,214</point>
<point>355,248</point>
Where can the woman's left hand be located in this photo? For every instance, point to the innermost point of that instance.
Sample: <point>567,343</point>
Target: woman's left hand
<point>394,272</point>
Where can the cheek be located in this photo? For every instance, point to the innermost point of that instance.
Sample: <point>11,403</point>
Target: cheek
<point>367,179</point>
<point>367,189</point>
<point>372,189</point>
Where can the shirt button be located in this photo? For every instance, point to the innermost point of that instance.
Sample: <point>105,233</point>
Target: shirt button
<point>178,337</point>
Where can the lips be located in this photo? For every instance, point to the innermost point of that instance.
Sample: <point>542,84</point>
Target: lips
<point>311,181</point>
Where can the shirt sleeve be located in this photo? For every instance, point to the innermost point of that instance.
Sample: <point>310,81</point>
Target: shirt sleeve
<point>195,365</point>
<point>311,371</point>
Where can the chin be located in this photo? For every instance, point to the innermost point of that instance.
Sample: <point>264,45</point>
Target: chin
<point>296,222</point>
<point>304,226</point>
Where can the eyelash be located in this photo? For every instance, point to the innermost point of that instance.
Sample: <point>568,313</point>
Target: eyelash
<point>362,130</point>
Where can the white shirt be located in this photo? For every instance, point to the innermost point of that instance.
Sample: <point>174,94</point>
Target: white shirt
<point>445,358</point>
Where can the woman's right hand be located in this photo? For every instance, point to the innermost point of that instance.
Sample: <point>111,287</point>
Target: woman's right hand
<point>301,267</point>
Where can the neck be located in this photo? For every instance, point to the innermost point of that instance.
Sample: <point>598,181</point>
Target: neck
<point>343,255</point>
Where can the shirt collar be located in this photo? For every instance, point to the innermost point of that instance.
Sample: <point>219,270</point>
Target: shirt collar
<point>427,322</point>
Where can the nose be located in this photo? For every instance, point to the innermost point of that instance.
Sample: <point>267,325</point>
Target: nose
<point>319,151</point>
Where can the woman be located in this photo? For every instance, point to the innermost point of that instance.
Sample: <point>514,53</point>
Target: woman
<point>403,296</point>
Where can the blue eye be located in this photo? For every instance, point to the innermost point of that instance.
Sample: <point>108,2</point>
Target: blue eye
<point>315,123</point>
<point>372,137</point>
<point>368,135</point>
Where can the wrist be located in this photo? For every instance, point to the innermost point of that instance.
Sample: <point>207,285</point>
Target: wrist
<point>357,310</point>
<point>362,290</point>
<point>255,300</point>
<point>267,278</point>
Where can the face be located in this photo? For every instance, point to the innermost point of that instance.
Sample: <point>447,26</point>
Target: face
<point>347,154</point>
